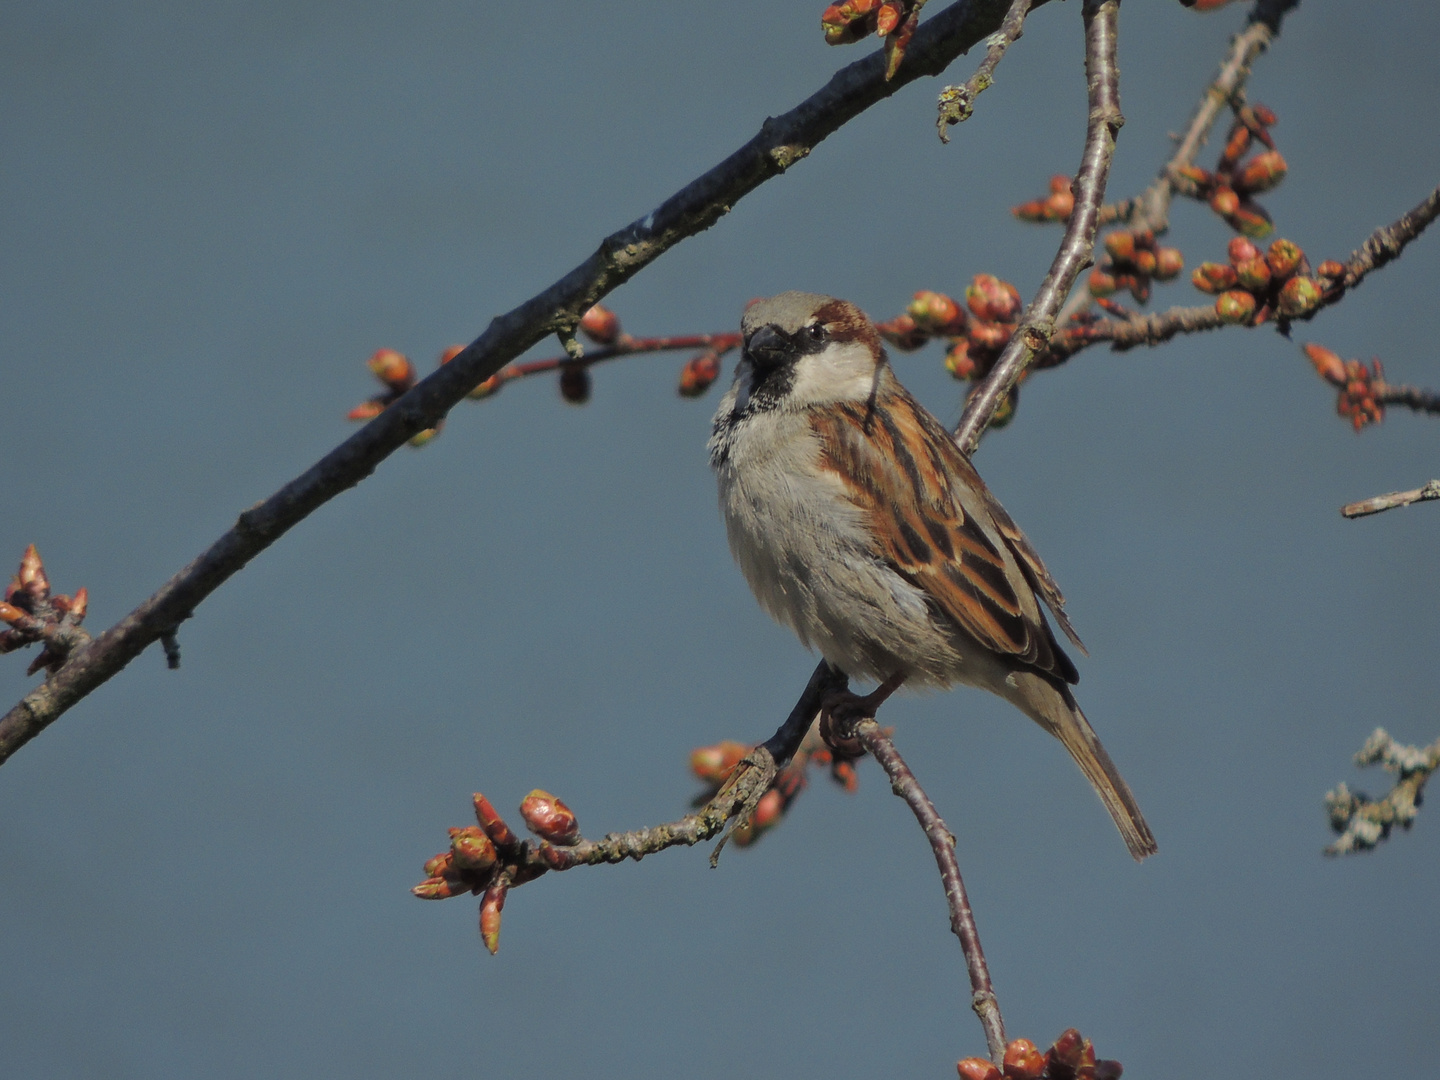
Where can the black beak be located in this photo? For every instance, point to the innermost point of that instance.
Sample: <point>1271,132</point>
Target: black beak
<point>767,348</point>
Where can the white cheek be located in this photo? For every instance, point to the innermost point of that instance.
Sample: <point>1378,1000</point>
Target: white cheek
<point>839,373</point>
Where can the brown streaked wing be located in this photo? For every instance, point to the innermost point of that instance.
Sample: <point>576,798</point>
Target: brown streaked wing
<point>897,462</point>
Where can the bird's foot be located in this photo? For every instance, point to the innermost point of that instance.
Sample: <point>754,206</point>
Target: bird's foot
<point>842,710</point>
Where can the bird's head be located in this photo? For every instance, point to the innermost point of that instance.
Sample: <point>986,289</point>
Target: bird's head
<point>804,349</point>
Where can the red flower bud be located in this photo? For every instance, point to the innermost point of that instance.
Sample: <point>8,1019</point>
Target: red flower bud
<point>575,384</point>
<point>13,615</point>
<point>959,362</point>
<point>1213,277</point>
<point>1023,1061</point>
<point>1034,210</point>
<point>471,849</point>
<point>1284,258</point>
<point>902,332</point>
<point>440,888</point>
<point>888,17</point>
<point>31,576</point>
<point>600,325</point>
<point>1299,296</point>
<point>698,374</point>
<point>450,353</point>
<point>549,818</point>
<point>441,865</point>
<point>1253,274</point>
<point>992,299</point>
<point>492,823</point>
<point>420,438</point>
<point>1235,306</point>
<point>1144,262</point>
<point>1241,250</point>
<point>1121,245</point>
<point>1102,283</point>
<point>989,336</point>
<point>1252,220</point>
<point>937,314</point>
<point>768,810</point>
<point>977,1068</point>
<point>366,410</point>
<point>1262,172</point>
<point>489,388</point>
<point>491,906</point>
<point>1235,147</point>
<point>1224,201</point>
<point>1059,206</point>
<point>1331,269</point>
<point>714,764</point>
<point>1168,263</point>
<point>1059,183</point>
<point>1327,365</point>
<point>393,369</point>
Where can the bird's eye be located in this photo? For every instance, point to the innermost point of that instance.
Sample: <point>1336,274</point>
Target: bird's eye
<point>816,331</point>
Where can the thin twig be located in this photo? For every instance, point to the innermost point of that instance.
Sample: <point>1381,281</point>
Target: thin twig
<point>1038,323</point>
<point>1382,246</point>
<point>626,346</point>
<point>1151,209</point>
<point>781,142</point>
<point>1412,397</point>
<point>957,103</point>
<point>1375,505</point>
<point>942,844</point>
<point>1363,822</point>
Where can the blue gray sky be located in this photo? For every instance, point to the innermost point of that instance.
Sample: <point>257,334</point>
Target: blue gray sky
<point>213,215</point>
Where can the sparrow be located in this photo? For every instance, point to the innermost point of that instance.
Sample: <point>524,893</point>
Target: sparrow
<point>859,524</point>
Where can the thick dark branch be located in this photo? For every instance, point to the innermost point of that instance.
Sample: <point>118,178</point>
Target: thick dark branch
<point>942,843</point>
<point>780,143</point>
<point>1038,323</point>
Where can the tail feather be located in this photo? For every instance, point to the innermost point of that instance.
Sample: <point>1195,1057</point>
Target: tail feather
<point>1053,707</point>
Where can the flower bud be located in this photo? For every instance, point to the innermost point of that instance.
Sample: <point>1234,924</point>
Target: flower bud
<point>1168,263</point>
<point>1034,210</point>
<point>959,362</point>
<point>393,369</point>
<point>1299,296</point>
<point>698,374</point>
<point>1213,277</point>
<point>1284,258</point>
<point>420,438</point>
<point>902,332</point>
<point>600,325</point>
<point>1059,205</point>
<point>1224,201</point>
<point>11,614</point>
<point>471,849</point>
<point>1262,172</point>
<point>575,384</point>
<point>1253,274</point>
<point>977,1068</point>
<point>79,604</point>
<point>888,17</point>
<point>937,314</point>
<point>1069,1053</point>
<point>1023,1061</point>
<point>1235,306</point>
<point>489,388</point>
<point>440,888</point>
<point>549,818</point>
<point>1252,220</point>
<point>1196,175</point>
<point>1144,262</point>
<point>1060,183</point>
<point>1235,147</point>
<point>768,810</point>
<point>366,410</point>
<point>1241,250</point>
<point>1102,283</point>
<point>992,299</point>
<point>491,906</point>
<point>1121,245</point>
<point>989,336</point>
<point>31,576</point>
<point>1327,365</point>
<point>492,823</point>
<point>440,865</point>
<point>1331,269</point>
<point>450,353</point>
<point>714,764</point>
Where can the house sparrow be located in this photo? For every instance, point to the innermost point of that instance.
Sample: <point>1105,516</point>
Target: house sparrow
<point>861,526</point>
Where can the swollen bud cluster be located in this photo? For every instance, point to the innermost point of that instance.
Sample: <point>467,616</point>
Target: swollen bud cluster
<point>1254,287</point>
<point>714,764</point>
<point>976,339</point>
<point>893,20</point>
<point>35,614</point>
<point>1359,386</point>
<point>1231,186</point>
<point>1132,260</point>
<point>1070,1057</point>
<point>489,859</point>
<point>1057,206</point>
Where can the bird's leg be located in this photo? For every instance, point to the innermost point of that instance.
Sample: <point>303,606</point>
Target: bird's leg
<point>840,711</point>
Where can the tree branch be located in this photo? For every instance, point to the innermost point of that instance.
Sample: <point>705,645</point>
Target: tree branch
<point>1375,505</point>
<point>1038,323</point>
<point>1363,823</point>
<point>780,143</point>
<point>957,103</point>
